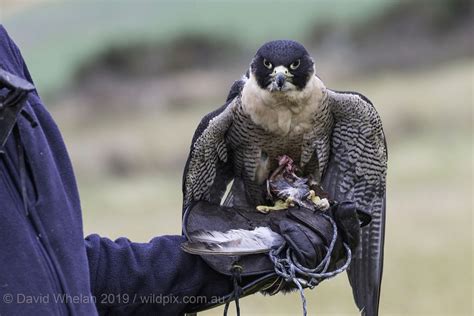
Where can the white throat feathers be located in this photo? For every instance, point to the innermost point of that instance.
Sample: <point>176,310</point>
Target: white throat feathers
<point>286,112</point>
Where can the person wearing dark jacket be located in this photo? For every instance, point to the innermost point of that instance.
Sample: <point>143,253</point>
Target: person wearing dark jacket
<point>46,265</point>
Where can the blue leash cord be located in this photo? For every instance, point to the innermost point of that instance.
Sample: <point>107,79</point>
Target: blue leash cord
<point>290,269</point>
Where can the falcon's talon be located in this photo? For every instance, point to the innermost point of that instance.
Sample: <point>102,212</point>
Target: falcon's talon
<point>321,204</point>
<point>290,202</point>
<point>263,209</point>
<point>311,195</point>
<point>279,206</point>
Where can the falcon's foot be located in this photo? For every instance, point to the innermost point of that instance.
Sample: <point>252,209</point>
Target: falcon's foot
<point>279,206</point>
<point>320,204</point>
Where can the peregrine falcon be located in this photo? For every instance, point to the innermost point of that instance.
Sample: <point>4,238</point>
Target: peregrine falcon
<point>282,108</point>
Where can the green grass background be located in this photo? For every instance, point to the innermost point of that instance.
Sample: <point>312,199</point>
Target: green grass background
<point>87,27</point>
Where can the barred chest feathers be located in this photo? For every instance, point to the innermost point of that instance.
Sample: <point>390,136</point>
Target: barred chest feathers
<point>295,122</point>
<point>283,113</point>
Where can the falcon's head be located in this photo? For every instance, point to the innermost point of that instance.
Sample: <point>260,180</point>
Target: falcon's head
<point>281,66</point>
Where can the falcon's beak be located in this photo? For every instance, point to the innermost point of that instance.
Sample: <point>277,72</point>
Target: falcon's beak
<point>280,80</point>
<point>280,76</point>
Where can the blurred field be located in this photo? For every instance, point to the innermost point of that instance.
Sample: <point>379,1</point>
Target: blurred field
<point>129,136</point>
<point>159,21</point>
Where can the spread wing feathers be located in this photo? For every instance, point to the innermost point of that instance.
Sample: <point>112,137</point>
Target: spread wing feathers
<point>357,171</point>
<point>233,242</point>
<point>207,172</point>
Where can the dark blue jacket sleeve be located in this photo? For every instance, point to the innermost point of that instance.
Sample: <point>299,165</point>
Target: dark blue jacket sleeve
<point>150,278</point>
<point>43,251</point>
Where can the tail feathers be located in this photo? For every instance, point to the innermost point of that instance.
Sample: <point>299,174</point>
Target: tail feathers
<point>233,242</point>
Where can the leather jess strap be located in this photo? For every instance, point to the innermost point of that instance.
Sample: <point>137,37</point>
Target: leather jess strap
<point>13,93</point>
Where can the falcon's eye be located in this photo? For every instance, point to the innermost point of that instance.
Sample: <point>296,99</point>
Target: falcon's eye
<point>267,64</point>
<point>295,64</point>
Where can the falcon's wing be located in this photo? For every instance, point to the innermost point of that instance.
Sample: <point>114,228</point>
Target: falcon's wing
<point>207,170</point>
<point>357,171</point>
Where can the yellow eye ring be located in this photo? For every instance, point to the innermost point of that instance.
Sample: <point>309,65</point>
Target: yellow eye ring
<point>295,64</point>
<point>267,64</point>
